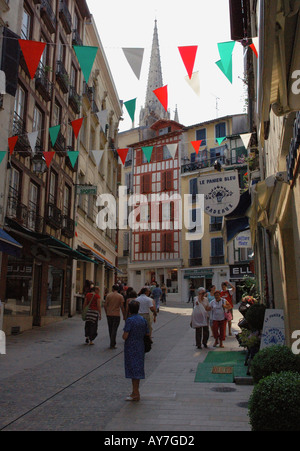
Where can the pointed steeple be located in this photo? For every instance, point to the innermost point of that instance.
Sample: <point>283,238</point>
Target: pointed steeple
<point>153,109</point>
<point>176,118</point>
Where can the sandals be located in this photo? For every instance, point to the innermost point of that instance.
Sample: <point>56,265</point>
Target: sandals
<point>132,398</point>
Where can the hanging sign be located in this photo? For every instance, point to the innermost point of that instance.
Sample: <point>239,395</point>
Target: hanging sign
<point>221,193</point>
<point>243,240</point>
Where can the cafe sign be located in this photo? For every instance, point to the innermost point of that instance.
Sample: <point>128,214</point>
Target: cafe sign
<point>221,193</point>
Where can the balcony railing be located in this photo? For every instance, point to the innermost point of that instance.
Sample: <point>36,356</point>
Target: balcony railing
<point>43,85</point>
<point>219,260</point>
<point>74,100</point>
<point>48,16</point>
<point>195,262</point>
<point>65,16</point>
<point>62,77</point>
<point>210,162</point>
<point>60,145</point>
<point>53,216</point>
<point>215,227</point>
<point>19,129</point>
<point>68,226</point>
<point>27,216</point>
<point>76,39</point>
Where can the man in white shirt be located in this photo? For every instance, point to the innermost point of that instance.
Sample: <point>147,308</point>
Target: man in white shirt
<point>147,305</point>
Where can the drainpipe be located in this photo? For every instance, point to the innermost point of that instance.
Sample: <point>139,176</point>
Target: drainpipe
<point>270,299</point>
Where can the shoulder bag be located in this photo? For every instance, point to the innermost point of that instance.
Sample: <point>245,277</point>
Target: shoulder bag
<point>86,309</point>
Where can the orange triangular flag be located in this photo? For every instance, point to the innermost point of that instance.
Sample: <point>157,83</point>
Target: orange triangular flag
<point>162,95</point>
<point>123,154</point>
<point>48,157</point>
<point>32,52</point>
<point>188,55</point>
<point>197,145</point>
<point>12,143</point>
<point>77,126</point>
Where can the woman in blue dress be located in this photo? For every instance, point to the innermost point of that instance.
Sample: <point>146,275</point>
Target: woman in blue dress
<point>134,350</point>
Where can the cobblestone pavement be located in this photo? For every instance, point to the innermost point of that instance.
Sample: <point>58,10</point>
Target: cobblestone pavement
<point>51,381</point>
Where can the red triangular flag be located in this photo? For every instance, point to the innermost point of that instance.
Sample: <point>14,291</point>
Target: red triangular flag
<point>48,157</point>
<point>12,143</point>
<point>32,52</point>
<point>123,154</point>
<point>252,46</point>
<point>77,126</point>
<point>162,95</point>
<point>196,145</point>
<point>188,55</point>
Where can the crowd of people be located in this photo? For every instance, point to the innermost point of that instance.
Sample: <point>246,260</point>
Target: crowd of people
<point>213,310</point>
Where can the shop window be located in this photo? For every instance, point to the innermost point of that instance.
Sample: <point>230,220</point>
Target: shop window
<point>18,299</point>
<point>55,291</point>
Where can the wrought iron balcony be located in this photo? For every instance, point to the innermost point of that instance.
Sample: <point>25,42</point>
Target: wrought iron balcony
<point>48,16</point>
<point>210,162</point>
<point>68,227</point>
<point>76,39</point>
<point>53,216</point>
<point>215,227</point>
<point>16,210</point>
<point>65,16</point>
<point>219,260</point>
<point>60,145</point>
<point>19,129</point>
<point>62,77</point>
<point>35,222</point>
<point>43,85</point>
<point>195,262</point>
<point>74,100</point>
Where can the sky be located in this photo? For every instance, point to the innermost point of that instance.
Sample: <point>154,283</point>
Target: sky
<point>203,23</point>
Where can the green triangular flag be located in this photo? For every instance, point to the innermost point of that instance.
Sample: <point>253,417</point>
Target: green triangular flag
<point>225,50</point>
<point>54,131</point>
<point>220,140</point>
<point>73,155</point>
<point>228,72</point>
<point>148,152</point>
<point>86,56</point>
<point>131,106</point>
<point>2,155</point>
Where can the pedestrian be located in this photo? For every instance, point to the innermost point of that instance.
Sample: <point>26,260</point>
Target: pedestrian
<point>147,306</point>
<point>191,293</point>
<point>93,316</point>
<point>156,295</point>
<point>164,294</point>
<point>227,293</point>
<point>199,320</point>
<point>132,297</point>
<point>113,306</point>
<point>134,349</point>
<point>211,297</point>
<point>218,306</point>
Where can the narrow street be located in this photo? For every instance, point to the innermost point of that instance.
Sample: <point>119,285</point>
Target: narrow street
<point>50,380</point>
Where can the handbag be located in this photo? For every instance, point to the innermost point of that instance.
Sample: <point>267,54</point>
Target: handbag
<point>228,316</point>
<point>147,343</point>
<point>86,309</point>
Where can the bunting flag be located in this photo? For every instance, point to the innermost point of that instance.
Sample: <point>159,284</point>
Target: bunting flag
<point>148,152</point>
<point>12,143</point>
<point>2,82</point>
<point>102,117</point>
<point>54,131</point>
<point>131,106</point>
<point>97,154</point>
<point>228,73</point>
<point>188,55</point>
<point>254,46</point>
<point>32,138</point>
<point>86,57</point>
<point>48,157</point>
<point>226,50</point>
<point>246,137</point>
<point>2,155</point>
<point>123,154</point>
<point>32,52</point>
<point>172,148</point>
<point>77,126</point>
<point>194,82</point>
<point>135,59</point>
<point>220,140</point>
<point>73,155</point>
<point>162,95</point>
<point>196,145</point>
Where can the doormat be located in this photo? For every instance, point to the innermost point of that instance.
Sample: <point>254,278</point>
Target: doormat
<point>222,370</point>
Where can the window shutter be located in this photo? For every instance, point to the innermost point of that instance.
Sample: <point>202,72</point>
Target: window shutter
<point>169,181</point>
<point>159,154</point>
<point>146,184</point>
<point>10,60</point>
<point>139,157</point>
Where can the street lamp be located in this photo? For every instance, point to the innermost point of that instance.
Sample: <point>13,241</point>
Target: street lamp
<point>39,164</point>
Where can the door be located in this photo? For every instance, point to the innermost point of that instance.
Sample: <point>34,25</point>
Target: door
<point>37,295</point>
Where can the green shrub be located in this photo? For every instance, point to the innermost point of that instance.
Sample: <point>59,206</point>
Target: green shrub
<point>274,360</point>
<point>256,316</point>
<point>275,403</point>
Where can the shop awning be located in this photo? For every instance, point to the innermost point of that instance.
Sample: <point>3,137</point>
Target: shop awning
<point>9,245</point>
<point>237,221</point>
<point>60,247</point>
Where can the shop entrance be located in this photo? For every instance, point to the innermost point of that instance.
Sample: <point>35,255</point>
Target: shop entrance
<point>37,296</point>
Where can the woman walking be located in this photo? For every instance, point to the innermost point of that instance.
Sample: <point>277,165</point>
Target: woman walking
<point>93,315</point>
<point>134,349</point>
<point>200,318</point>
<point>218,307</point>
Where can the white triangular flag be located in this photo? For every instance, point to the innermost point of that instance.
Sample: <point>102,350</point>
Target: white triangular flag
<point>32,138</point>
<point>194,82</point>
<point>102,116</point>
<point>246,137</point>
<point>172,148</point>
<point>2,82</point>
<point>135,59</point>
<point>97,154</point>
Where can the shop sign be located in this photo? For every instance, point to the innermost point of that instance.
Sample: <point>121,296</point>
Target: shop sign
<point>274,329</point>
<point>198,274</point>
<point>221,193</point>
<point>240,271</point>
<point>243,240</point>
<point>19,270</point>
<point>86,189</point>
